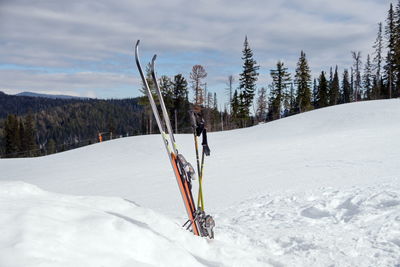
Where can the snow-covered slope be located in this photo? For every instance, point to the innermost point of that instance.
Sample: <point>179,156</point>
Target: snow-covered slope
<point>315,189</point>
<point>47,229</point>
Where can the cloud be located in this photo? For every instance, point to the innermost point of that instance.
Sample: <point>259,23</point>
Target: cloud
<point>93,40</point>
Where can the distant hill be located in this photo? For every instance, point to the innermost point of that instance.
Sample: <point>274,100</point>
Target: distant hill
<point>76,121</point>
<point>50,96</point>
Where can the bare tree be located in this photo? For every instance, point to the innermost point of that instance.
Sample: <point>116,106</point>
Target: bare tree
<point>198,73</point>
<point>357,67</point>
<point>262,105</point>
<point>229,90</point>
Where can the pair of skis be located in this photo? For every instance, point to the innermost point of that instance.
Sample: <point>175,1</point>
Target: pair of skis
<point>199,223</point>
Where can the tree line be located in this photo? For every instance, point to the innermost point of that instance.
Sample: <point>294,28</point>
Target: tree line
<point>377,78</point>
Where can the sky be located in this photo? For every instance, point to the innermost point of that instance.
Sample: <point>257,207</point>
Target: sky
<point>86,48</point>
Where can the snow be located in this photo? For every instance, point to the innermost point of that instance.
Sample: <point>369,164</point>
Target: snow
<point>317,189</point>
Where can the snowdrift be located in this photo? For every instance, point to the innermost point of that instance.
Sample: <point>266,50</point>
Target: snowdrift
<point>47,229</point>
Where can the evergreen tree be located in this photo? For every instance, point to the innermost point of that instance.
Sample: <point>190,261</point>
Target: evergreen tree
<point>280,81</point>
<point>144,100</point>
<point>334,94</point>
<point>322,98</point>
<point>181,104</point>
<point>357,73</point>
<point>235,105</point>
<point>346,87</point>
<point>292,100</point>
<point>303,82</point>
<point>389,67</point>
<point>368,79</point>
<point>215,103</point>
<point>315,93</point>
<point>22,145</point>
<point>377,64</point>
<point>396,55</point>
<point>351,84</point>
<point>247,80</point>
<point>51,147</point>
<point>29,137</point>
<point>11,136</point>
<point>166,89</point>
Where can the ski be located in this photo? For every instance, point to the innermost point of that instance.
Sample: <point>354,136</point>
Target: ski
<point>200,223</point>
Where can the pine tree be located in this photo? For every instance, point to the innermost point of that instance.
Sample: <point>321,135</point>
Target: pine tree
<point>357,81</point>
<point>315,93</point>
<point>377,64</point>
<point>281,80</point>
<point>351,84</point>
<point>368,79</point>
<point>11,136</point>
<point>303,82</point>
<point>235,105</point>
<point>334,94</point>
<point>144,100</point>
<point>292,100</point>
<point>215,102</point>
<point>389,67</point>
<point>396,55</point>
<point>346,87</point>
<point>322,98</point>
<point>22,146</point>
<point>166,89</point>
<point>51,147</point>
<point>247,80</point>
<point>29,138</point>
<point>180,102</point>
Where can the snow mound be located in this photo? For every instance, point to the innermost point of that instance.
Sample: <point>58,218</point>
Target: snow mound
<point>47,229</point>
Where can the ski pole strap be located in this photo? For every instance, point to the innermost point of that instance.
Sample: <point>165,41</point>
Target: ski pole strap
<point>197,122</point>
<point>204,143</point>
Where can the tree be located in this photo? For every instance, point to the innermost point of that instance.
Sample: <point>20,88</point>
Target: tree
<point>235,105</point>
<point>166,89</point>
<point>196,76</point>
<point>29,138</point>
<point>315,93</point>
<point>11,136</point>
<point>261,111</point>
<point>346,87</point>
<point>215,102</point>
<point>280,80</point>
<point>303,82</point>
<point>396,55</point>
<point>377,64</point>
<point>368,78</point>
<point>389,67</point>
<point>322,98</point>
<point>180,101</point>
<point>145,102</point>
<point>229,89</point>
<point>334,94</point>
<point>247,80</point>
<point>357,82</point>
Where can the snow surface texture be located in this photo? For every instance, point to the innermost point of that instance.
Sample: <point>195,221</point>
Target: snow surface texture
<point>318,189</point>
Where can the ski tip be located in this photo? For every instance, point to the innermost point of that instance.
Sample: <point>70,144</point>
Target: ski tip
<point>137,43</point>
<point>154,58</point>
